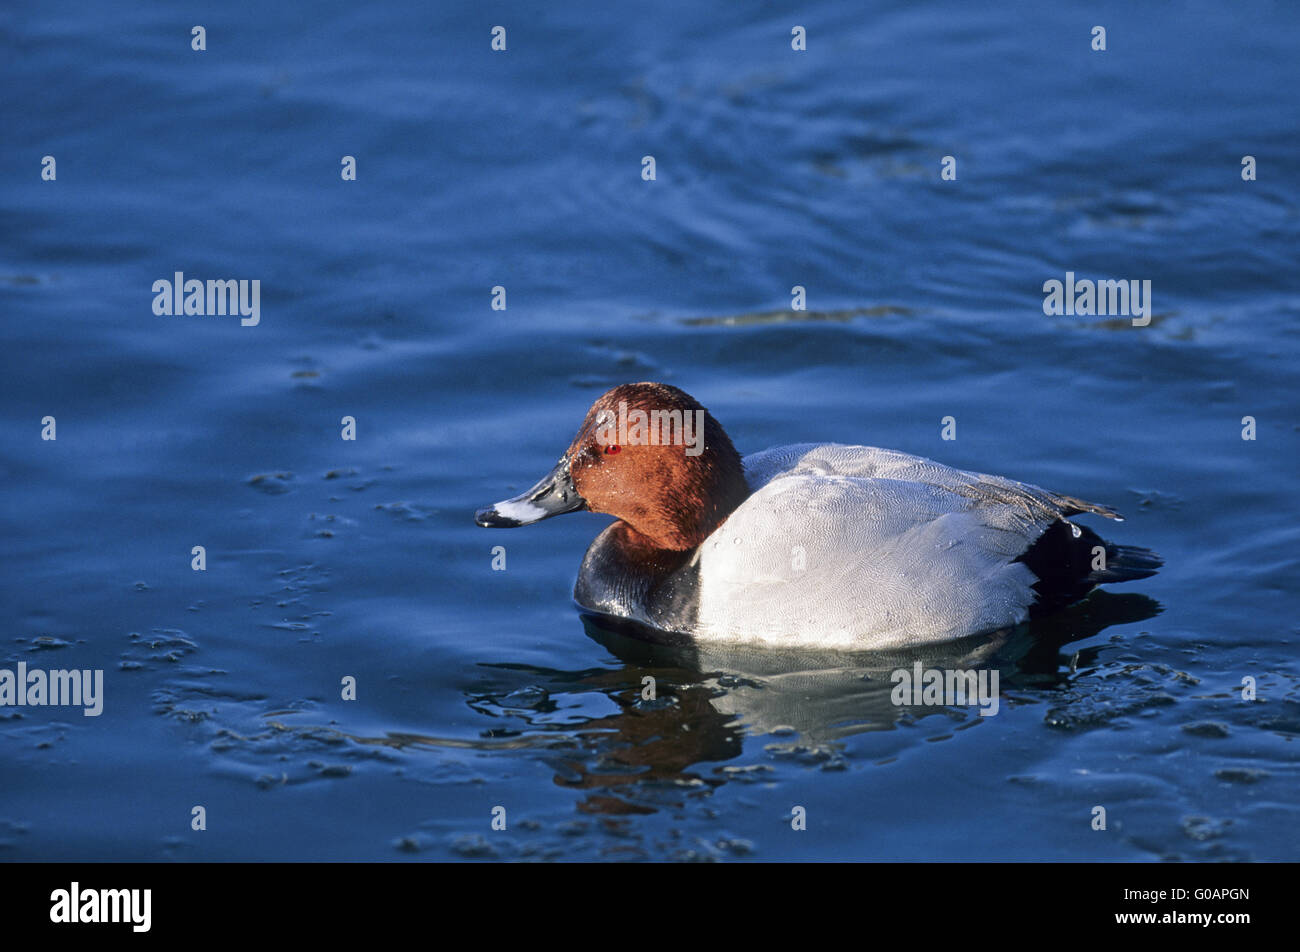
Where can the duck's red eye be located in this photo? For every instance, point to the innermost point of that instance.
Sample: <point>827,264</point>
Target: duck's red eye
<point>611,449</point>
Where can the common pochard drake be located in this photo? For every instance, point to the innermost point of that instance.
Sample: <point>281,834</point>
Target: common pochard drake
<point>812,545</point>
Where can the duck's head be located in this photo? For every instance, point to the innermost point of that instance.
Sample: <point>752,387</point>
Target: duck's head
<point>647,453</point>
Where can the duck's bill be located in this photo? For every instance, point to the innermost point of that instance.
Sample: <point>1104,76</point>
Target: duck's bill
<point>553,495</point>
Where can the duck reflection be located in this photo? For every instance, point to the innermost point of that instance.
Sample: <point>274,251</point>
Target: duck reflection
<point>681,706</point>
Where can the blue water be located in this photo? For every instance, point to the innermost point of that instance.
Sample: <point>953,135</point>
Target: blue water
<point>477,688</point>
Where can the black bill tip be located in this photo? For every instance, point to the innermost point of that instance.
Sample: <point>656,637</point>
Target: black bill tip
<point>489,518</point>
<point>554,494</point>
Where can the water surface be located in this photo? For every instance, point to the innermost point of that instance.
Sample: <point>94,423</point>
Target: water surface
<point>329,559</point>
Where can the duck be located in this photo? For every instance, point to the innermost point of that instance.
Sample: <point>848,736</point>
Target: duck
<point>810,545</point>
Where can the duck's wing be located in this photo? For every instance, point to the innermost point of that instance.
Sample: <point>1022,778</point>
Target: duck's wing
<point>838,459</point>
<point>858,547</point>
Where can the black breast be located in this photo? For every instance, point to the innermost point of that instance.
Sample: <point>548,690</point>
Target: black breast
<point>655,586</point>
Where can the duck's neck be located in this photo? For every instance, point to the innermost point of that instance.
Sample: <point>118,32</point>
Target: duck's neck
<point>688,513</point>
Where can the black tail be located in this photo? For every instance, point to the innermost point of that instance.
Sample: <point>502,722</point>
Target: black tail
<point>1068,566</point>
<point>1124,563</point>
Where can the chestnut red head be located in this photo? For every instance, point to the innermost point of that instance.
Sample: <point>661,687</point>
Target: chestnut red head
<point>647,453</point>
